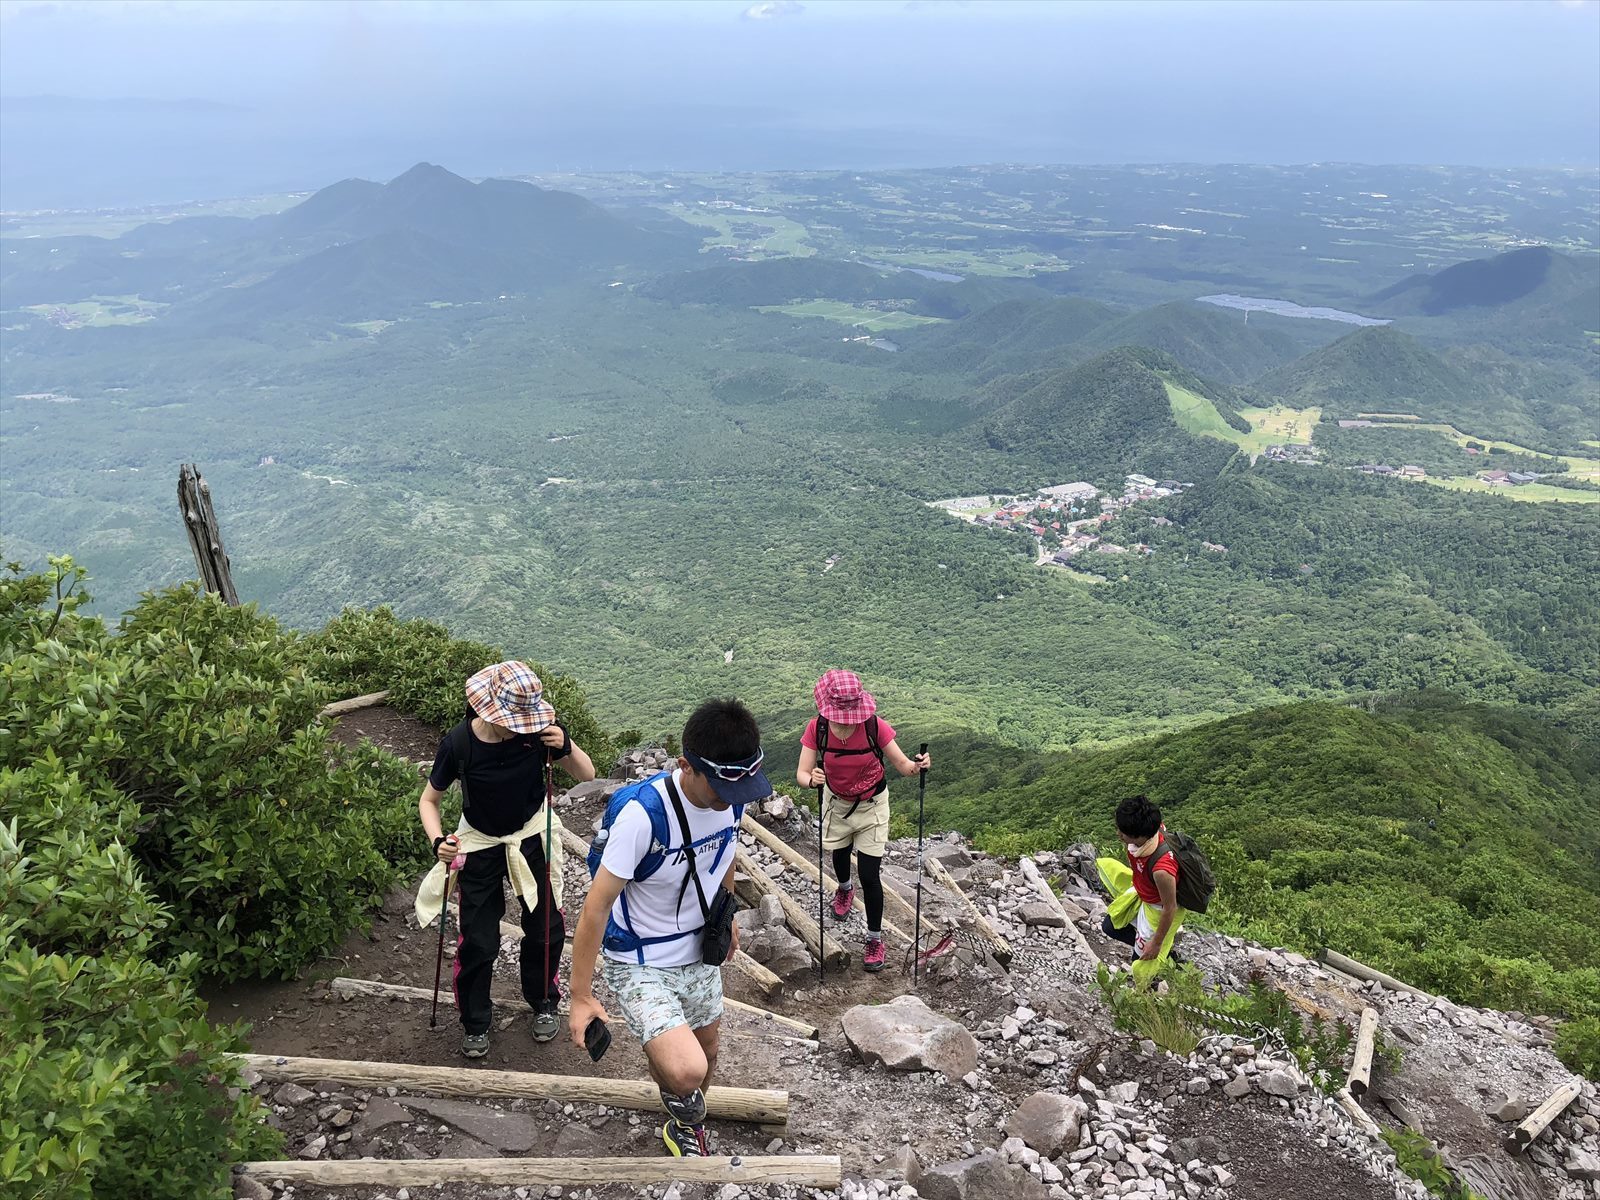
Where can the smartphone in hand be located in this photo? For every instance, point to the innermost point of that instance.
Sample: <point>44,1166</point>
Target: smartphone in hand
<point>597,1039</point>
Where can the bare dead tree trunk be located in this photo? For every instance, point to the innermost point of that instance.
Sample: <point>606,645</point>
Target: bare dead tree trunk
<point>205,536</point>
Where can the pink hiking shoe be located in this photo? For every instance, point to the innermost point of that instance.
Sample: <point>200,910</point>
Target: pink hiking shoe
<point>843,899</point>
<point>872,960</point>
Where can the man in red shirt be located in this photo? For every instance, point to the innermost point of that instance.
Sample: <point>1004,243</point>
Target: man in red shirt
<point>1155,879</point>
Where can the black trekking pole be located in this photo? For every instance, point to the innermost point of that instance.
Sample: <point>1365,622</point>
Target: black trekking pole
<point>549,892</point>
<point>916,924</point>
<point>438,963</point>
<point>821,924</point>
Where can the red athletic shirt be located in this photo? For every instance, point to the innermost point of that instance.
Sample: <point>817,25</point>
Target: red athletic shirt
<point>1142,882</point>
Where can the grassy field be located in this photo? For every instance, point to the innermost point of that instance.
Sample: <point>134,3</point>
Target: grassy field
<point>1278,426</point>
<point>1000,262</point>
<point>1197,415</point>
<point>787,239</point>
<point>1527,492</point>
<point>99,311</point>
<point>1275,426</point>
<point>1578,467</point>
<point>850,314</point>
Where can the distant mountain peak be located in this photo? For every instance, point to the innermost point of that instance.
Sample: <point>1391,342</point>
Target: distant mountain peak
<point>1525,274</point>
<point>427,175</point>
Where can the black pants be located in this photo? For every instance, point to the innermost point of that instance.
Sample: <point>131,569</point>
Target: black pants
<point>1125,935</point>
<point>483,903</point>
<point>871,883</point>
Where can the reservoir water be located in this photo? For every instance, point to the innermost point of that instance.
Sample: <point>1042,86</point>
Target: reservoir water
<point>1287,308</point>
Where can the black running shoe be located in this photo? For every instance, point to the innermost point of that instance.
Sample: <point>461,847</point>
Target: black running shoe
<point>686,1141</point>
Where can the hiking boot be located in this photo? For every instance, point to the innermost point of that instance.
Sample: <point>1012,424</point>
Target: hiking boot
<point>872,960</point>
<point>686,1141</point>
<point>475,1045</point>
<point>843,900</point>
<point>546,1022</point>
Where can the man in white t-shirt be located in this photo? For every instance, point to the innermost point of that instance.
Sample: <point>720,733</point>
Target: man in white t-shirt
<point>651,927</point>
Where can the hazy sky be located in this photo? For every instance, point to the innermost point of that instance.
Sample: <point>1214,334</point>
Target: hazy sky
<point>325,89</point>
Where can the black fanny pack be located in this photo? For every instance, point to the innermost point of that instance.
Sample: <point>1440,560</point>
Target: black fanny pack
<point>716,936</point>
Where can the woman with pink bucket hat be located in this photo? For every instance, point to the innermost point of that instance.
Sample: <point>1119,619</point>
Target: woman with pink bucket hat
<point>499,754</point>
<point>842,752</point>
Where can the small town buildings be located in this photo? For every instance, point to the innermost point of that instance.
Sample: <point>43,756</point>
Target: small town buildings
<point>1521,477</point>
<point>1071,492</point>
<point>1410,471</point>
<point>1139,481</point>
<point>1495,478</point>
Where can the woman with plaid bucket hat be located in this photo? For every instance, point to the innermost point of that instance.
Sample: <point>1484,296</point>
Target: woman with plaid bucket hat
<point>842,751</point>
<point>499,754</point>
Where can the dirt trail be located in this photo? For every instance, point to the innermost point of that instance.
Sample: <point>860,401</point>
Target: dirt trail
<point>1154,1118</point>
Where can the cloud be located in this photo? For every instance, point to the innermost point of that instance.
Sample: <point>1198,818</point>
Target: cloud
<point>773,10</point>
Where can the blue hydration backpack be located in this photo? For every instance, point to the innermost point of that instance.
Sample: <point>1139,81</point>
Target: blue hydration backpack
<point>621,938</point>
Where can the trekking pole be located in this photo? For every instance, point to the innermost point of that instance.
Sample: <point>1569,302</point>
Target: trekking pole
<point>916,924</point>
<point>438,963</point>
<point>549,892</point>
<point>821,924</point>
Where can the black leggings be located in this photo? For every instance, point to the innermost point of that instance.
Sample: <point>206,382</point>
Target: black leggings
<point>871,883</point>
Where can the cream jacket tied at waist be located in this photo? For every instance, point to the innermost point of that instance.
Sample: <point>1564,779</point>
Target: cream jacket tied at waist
<point>430,896</point>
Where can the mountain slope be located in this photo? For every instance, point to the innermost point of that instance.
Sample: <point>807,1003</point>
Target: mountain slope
<point>1098,421</point>
<point>1211,341</point>
<point>1379,369</point>
<point>1015,335</point>
<point>1525,278</point>
<point>501,215</point>
<point>377,276</point>
<point>1417,834</point>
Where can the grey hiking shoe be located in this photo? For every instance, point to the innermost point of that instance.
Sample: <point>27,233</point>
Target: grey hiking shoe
<point>546,1022</point>
<point>475,1045</point>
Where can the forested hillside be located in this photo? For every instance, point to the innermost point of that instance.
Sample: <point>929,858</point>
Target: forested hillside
<point>1100,421</point>
<point>1419,834</point>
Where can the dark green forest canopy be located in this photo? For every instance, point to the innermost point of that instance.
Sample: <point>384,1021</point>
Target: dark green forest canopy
<point>1421,834</point>
<point>632,487</point>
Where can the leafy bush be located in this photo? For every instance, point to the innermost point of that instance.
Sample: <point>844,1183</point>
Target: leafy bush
<point>1418,1158</point>
<point>111,1082</point>
<point>1578,1046</point>
<point>424,669</point>
<point>193,727</point>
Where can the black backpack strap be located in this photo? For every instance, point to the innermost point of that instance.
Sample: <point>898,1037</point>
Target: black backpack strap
<point>871,726</point>
<point>822,740</point>
<point>688,851</point>
<point>461,742</point>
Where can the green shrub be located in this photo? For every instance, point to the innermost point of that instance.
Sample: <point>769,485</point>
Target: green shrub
<point>1578,1046</point>
<point>195,725</point>
<point>424,669</point>
<point>111,1082</point>
<point>1419,1158</point>
<point>1177,1015</point>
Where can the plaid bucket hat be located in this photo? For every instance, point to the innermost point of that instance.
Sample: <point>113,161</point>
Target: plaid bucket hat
<point>510,694</point>
<point>841,698</point>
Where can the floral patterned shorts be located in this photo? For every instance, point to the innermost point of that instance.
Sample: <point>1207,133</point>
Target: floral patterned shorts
<point>656,999</point>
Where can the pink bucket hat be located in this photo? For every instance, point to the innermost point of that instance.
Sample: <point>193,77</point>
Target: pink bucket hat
<point>841,698</point>
<point>510,694</point>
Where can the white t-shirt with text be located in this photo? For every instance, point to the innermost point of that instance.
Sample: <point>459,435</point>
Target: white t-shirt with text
<point>653,905</point>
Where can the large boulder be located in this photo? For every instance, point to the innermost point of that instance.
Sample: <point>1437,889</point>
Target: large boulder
<point>986,1177</point>
<point>775,948</point>
<point>906,1035</point>
<point>1049,1122</point>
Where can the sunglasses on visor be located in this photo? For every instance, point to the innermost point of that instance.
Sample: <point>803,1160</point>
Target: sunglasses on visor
<point>730,772</point>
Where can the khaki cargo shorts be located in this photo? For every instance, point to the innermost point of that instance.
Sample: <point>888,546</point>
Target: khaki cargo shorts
<point>867,829</point>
